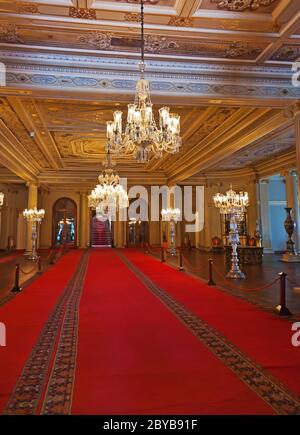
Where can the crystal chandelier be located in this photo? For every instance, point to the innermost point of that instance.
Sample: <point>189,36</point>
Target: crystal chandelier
<point>170,214</point>
<point>232,202</point>
<point>34,215</point>
<point>142,137</point>
<point>234,205</point>
<point>108,194</point>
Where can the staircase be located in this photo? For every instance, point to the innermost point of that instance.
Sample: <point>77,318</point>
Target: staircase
<point>101,235</point>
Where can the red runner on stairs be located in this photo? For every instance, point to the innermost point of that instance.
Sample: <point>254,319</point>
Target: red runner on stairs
<point>263,336</point>
<point>25,316</point>
<point>135,357</point>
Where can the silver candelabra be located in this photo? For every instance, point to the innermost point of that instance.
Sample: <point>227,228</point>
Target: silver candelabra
<point>34,216</point>
<point>171,215</point>
<point>233,205</point>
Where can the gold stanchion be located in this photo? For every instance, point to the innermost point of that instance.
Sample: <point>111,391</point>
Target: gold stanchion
<point>17,287</point>
<point>210,271</point>
<point>282,309</point>
<point>180,260</point>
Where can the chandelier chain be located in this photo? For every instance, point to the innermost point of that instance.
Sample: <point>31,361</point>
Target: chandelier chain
<point>142,33</point>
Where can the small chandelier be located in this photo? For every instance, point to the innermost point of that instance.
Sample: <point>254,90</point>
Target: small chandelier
<point>108,193</point>
<point>1,199</point>
<point>34,215</point>
<point>232,203</point>
<point>170,214</point>
<point>142,137</point>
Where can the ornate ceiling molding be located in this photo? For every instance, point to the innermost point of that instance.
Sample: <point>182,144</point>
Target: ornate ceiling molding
<point>181,21</point>
<point>132,17</point>
<point>83,13</point>
<point>13,123</point>
<point>242,49</point>
<point>27,8</point>
<point>10,33</point>
<point>242,5</point>
<point>96,39</point>
<point>106,82</point>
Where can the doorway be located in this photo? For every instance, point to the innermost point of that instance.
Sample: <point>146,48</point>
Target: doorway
<point>64,226</point>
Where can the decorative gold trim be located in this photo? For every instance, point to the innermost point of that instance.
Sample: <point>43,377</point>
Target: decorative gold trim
<point>242,5</point>
<point>83,13</point>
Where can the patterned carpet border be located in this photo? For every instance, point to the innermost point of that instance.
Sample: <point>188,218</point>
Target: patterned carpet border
<point>31,383</point>
<point>59,394</point>
<point>271,390</point>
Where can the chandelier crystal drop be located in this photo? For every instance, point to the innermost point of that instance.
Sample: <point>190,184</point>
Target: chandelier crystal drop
<point>142,137</point>
<point>108,194</point>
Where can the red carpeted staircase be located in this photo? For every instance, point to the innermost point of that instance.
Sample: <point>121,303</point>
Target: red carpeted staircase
<point>101,235</point>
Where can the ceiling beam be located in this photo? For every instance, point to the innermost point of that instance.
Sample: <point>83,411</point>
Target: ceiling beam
<point>216,152</point>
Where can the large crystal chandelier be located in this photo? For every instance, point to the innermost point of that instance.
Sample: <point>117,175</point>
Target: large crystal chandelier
<point>142,137</point>
<point>108,194</point>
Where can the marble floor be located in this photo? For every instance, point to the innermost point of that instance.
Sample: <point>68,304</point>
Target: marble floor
<point>196,262</point>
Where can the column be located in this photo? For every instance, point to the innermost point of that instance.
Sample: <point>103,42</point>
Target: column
<point>291,186</point>
<point>119,232</point>
<point>4,220</point>
<point>252,211</point>
<point>297,131</point>
<point>83,221</point>
<point>32,202</point>
<point>265,215</point>
<point>212,220</point>
<point>88,226</point>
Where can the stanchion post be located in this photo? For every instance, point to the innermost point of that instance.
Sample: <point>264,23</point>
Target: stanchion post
<point>163,258</point>
<point>210,271</point>
<point>39,264</point>
<point>282,309</point>
<point>180,260</point>
<point>17,287</point>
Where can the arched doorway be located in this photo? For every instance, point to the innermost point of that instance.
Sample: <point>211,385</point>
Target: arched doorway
<point>64,224</point>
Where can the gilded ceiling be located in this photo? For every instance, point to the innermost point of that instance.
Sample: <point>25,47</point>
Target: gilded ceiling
<point>224,65</point>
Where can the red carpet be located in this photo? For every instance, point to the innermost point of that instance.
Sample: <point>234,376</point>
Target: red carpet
<point>25,316</point>
<point>263,336</point>
<point>135,356</point>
